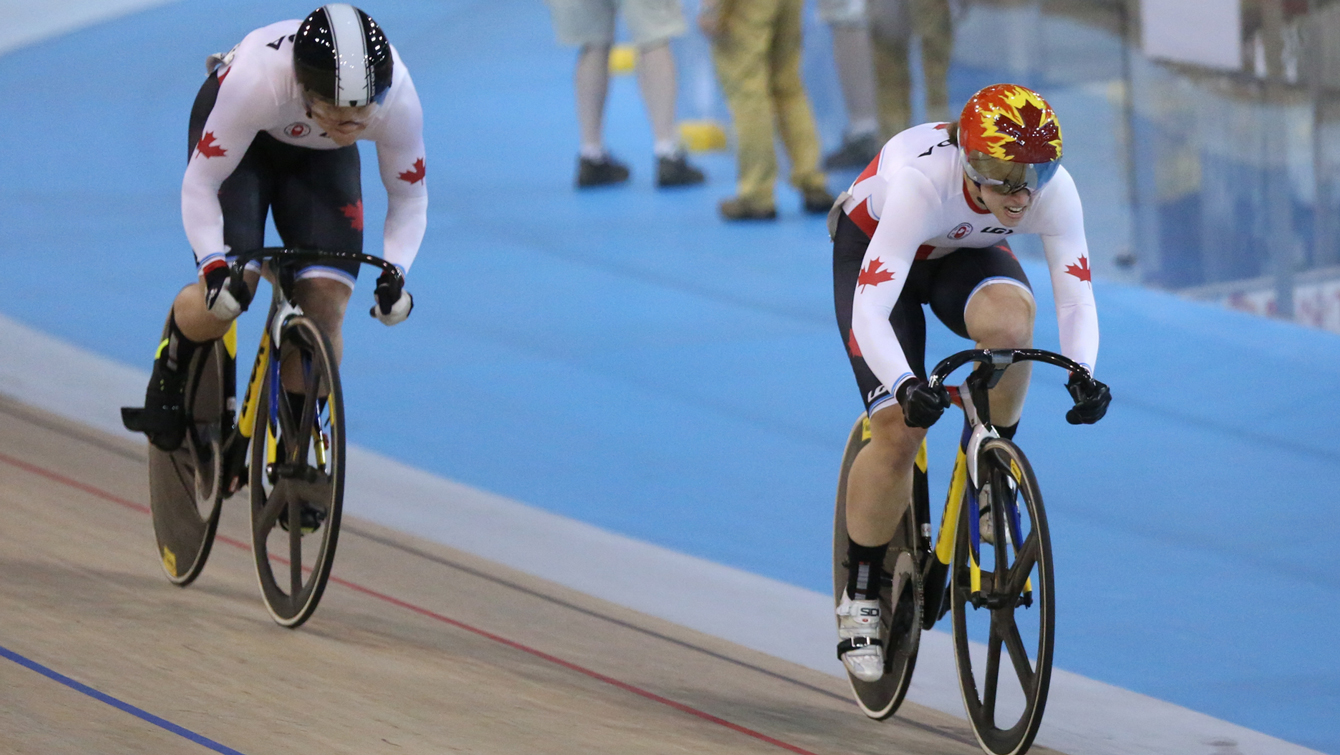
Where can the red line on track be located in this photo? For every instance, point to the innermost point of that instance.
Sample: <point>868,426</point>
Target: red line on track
<point>625,686</point>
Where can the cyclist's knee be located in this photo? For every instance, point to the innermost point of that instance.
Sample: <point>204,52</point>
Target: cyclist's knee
<point>323,300</point>
<point>892,438</point>
<point>1001,316</point>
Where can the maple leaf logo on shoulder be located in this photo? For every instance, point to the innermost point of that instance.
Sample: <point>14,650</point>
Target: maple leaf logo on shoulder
<point>1081,270</point>
<point>208,148</point>
<point>415,174</point>
<point>873,274</point>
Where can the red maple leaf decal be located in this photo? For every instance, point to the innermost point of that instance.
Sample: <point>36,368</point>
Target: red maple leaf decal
<point>208,147</point>
<point>1032,140</point>
<point>355,214</point>
<point>853,348</point>
<point>415,174</point>
<point>874,274</point>
<point>1081,270</point>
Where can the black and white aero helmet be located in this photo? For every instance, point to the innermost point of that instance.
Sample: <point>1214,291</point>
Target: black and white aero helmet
<point>341,55</point>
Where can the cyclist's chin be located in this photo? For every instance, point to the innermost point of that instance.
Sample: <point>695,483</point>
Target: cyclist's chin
<point>344,138</point>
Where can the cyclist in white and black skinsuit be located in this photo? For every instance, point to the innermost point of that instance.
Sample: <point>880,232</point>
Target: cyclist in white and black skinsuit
<point>273,130</point>
<point>928,223</point>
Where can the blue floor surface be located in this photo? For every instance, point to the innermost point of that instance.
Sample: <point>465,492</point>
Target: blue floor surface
<point>623,357</point>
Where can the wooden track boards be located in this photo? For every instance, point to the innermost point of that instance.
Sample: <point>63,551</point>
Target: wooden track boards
<point>415,648</point>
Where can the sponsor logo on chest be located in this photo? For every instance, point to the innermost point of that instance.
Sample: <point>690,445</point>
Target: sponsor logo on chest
<point>964,230</point>
<point>297,130</point>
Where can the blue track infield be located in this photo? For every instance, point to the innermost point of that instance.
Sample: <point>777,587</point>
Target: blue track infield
<point>624,358</point>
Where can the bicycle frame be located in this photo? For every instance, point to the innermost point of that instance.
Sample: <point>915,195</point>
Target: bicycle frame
<point>281,309</point>
<point>974,399</point>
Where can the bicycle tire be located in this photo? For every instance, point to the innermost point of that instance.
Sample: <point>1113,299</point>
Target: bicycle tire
<point>314,476</point>
<point>880,699</point>
<point>999,463</point>
<point>186,485</point>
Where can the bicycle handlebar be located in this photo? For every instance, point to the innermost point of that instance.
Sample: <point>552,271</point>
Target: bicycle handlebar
<point>999,359</point>
<point>285,255</point>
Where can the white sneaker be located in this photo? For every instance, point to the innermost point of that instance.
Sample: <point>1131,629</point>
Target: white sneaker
<point>858,631</point>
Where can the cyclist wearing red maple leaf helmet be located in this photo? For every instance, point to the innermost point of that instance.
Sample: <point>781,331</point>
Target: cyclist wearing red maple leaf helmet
<point>272,131</point>
<point>927,223</point>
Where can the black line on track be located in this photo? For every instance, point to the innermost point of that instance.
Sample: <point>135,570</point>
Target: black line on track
<point>441,561</point>
<point>67,428</point>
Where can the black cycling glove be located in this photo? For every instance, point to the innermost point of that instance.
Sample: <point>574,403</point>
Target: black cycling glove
<point>1091,399</point>
<point>394,303</point>
<point>922,405</point>
<point>224,300</point>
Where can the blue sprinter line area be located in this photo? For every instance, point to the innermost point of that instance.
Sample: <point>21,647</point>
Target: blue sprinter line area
<point>623,357</point>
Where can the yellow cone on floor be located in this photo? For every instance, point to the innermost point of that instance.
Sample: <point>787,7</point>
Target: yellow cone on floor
<point>623,59</point>
<point>702,136</point>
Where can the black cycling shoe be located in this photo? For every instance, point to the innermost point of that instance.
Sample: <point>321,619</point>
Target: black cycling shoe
<point>603,171</point>
<point>163,417</point>
<point>311,518</point>
<point>676,171</point>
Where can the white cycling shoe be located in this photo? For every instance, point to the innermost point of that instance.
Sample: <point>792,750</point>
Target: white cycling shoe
<point>859,644</point>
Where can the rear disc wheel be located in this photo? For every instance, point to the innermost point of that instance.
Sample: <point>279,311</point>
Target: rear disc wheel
<point>900,597</point>
<point>185,485</point>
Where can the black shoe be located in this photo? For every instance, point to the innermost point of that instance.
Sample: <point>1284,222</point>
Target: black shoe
<point>817,201</point>
<point>604,171</point>
<point>310,518</point>
<point>855,152</point>
<point>738,209</point>
<point>163,417</point>
<point>676,171</point>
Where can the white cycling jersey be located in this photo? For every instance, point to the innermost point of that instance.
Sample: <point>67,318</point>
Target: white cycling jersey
<point>258,91</point>
<point>913,203</point>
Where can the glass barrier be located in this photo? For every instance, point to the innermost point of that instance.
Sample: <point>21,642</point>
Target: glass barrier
<point>1204,134</point>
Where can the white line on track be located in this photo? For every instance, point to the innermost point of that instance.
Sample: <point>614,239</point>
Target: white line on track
<point>25,22</point>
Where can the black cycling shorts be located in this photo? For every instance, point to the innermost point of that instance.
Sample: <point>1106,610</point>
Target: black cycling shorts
<point>946,283</point>
<point>315,195</point>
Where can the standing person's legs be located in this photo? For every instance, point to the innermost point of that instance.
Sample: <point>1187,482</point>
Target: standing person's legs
<point>740,52</point>
<point>795,121</point>
<point>888,36</point>
<point>588,25</point>
<point>652,24</point>
<point>591,82</point>
<point>848,21</point>
<point>932,22</point>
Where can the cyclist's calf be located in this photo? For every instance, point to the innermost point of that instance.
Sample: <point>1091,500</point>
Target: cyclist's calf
<point>324,301</point>
<point>879,486</point>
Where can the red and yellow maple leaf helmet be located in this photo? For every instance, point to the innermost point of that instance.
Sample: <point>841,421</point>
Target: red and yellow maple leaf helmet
<point>1010,138</point>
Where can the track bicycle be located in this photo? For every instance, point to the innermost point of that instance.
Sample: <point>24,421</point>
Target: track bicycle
<point>998,589</point>
<point>295,473</point>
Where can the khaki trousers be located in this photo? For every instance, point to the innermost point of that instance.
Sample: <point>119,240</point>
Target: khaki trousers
<point>929,20</point>
<point>757,56</point>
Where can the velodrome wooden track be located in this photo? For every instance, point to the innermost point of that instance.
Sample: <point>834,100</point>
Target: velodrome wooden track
<point>416,648</point>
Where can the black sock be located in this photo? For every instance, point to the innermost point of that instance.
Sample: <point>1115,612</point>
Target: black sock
<point>176,355</point>
<point>1007,432</point>
<point>865,570</point>
<point>172,361</point>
